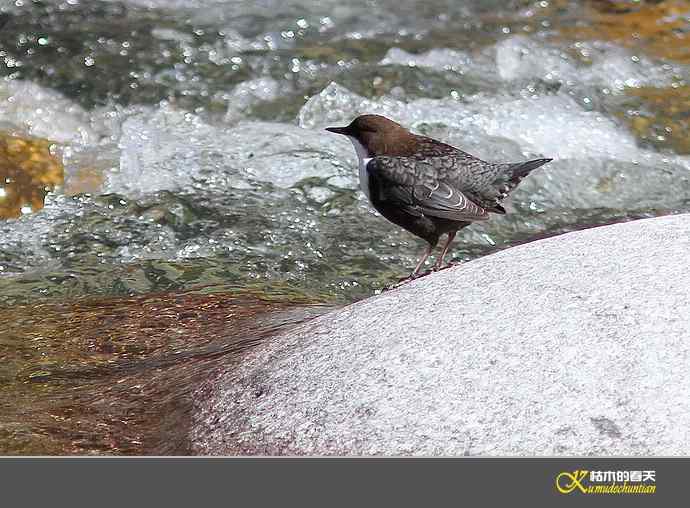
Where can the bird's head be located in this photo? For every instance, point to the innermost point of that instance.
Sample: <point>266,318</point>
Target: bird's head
<point>374,135</point>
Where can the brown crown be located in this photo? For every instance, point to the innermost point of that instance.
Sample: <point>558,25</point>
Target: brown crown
<point>379,135</point>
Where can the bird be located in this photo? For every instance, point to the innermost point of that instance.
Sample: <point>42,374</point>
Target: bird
<point>425,186</point>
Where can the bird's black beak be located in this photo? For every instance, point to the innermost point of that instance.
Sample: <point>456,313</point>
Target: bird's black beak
<point>345,131</point>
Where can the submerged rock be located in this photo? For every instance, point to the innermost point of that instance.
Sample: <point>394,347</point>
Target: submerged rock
<point>573,345</point>
<point>657,28</point>
<point>28,170</point>
<point>663,120</point>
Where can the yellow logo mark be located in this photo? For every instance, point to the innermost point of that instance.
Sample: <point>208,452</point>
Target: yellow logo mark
<point>567,482</point>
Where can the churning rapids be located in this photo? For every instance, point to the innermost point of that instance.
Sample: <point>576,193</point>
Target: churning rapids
<point>202,122</point>
<point>191,133</point>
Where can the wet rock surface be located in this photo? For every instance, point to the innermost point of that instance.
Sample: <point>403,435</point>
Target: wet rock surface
<point>573,345</point>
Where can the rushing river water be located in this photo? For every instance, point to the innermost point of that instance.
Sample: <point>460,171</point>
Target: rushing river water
<point>190,167</point>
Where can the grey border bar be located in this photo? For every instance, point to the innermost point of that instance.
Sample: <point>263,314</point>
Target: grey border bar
<point>131,481</point>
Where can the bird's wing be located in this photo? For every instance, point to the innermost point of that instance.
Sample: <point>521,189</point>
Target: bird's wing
<point>484,183</point>
<point>418,186</point>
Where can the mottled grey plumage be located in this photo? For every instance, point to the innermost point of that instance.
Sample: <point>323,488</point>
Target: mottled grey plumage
<point>428,187</point>
<point>474,187</point>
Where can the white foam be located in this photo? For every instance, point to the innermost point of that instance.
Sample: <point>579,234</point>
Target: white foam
<point>438,59</point>
<point>554,124</point>
<point>249,93</point>
<point>166,149</point>
<point>29,108</point>
<point>521,58</point>
<point>611,66</point>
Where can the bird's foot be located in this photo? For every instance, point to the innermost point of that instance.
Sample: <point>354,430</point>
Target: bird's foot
<point>401,282</point>
<point>449,265</point>
<point>405,280</point>
<point>419,275</point>
<point>440,268</point>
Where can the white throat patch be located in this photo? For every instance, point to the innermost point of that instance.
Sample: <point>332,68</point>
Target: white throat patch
<point>363,156</point>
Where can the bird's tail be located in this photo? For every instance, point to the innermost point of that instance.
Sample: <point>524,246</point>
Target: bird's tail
<point>510,176</point>
<point>522,169</point>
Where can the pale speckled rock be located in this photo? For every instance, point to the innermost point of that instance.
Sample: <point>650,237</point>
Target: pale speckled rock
<point>572,345</point>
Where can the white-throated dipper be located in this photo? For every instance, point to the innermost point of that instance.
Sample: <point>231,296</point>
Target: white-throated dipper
<point>426,186</point>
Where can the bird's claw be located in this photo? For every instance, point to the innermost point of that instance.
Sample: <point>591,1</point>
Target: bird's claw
<point>415,276</point>
<point>400,282</point>
<point>409,278</point>
<point>440,268</point>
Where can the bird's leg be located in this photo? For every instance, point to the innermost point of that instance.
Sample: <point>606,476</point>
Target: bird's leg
<point>415,273</point>
<point>449,240</point>
<point>426,254</point>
